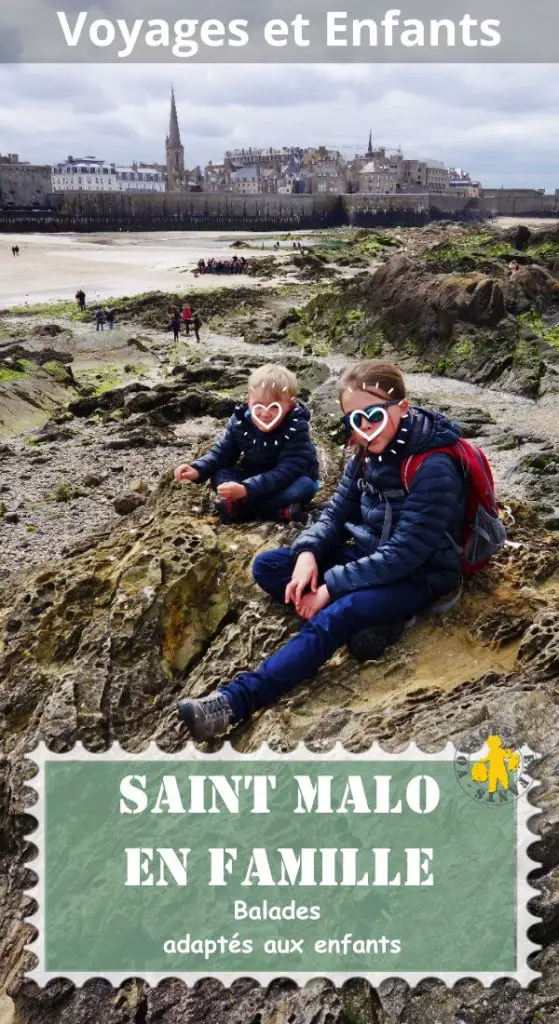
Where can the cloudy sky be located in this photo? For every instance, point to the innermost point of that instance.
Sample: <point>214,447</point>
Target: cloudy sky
<point>501,122</point>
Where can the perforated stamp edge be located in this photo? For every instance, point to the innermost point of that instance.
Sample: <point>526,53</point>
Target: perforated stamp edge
<point>525,864</point>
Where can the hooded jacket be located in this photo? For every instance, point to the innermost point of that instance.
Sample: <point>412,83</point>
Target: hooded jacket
<point>371,500</point>
<point>271,460</point>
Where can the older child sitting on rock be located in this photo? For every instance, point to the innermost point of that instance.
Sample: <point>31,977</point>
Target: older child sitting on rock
<point>378,554</point>
<point>265,466</point>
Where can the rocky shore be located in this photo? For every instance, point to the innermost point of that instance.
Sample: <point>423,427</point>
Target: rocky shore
<point>119,592</point>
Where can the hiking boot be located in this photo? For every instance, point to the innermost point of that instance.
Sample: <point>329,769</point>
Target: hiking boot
<point>228,510</point>
<point>291,513</point>
<point>207,717</point>
<point>370,643</point>
<point>315,511</point>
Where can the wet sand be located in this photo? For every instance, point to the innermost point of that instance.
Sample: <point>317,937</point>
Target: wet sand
<point>51,267</point>
<point>531,222</point>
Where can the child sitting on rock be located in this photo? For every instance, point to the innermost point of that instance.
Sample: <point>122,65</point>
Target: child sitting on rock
<point>265,466</point>
<point>378,554</point>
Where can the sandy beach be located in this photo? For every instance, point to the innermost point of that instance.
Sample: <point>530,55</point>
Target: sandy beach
<point>51,267</point>
<point>534,223</point>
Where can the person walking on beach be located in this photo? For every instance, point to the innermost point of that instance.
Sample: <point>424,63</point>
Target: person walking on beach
<point>196,323</point>
<point>175,325</point>
<point>13,251</point>
<point>110,314</point>
<point>187,317</point>
<point>80,296</point>
<point>100,317</point>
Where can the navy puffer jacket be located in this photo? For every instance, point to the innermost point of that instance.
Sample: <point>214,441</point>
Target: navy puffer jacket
<point>370,499</point>
<point>271,459</point>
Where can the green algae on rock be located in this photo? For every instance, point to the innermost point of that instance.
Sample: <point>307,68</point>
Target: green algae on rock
<point>461,325</point>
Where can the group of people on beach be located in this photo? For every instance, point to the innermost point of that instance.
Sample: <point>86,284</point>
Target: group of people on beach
<point>187,317</point>
<point>389,544</point>
<point>15,250</point>
<point>104,315</point>
<point>235,265</point>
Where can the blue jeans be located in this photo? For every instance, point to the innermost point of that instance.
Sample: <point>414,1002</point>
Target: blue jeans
<point>302,655</point>
<point>302,489</point>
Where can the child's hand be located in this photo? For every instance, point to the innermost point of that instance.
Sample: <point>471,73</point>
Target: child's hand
<point>232,491</point>
<point>310,604</point>
<point>186,473</point>
<point>305,574</point>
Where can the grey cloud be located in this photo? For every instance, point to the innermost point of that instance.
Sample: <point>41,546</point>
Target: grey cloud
<point>464,116</point>
<point>277,87</point>
<point>112,126</point>
<point>507,88</point>
<point>41,86</point>
<point>203,128</point>
<point>72,6</point>
<point>252,86</point>
<point>11,45</point>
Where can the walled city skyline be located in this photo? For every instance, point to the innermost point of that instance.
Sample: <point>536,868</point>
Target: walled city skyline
<point>463,116</point>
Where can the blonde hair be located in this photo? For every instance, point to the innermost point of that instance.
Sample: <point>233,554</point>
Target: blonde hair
<point>371,374</point>
<point>274,379</point>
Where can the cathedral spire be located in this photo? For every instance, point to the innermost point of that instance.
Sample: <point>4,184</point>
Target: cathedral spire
<point>370,149</point>
<point>174,131</point>
<point>175,151</point>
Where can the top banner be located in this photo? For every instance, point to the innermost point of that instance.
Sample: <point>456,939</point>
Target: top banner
<point>280,31</point>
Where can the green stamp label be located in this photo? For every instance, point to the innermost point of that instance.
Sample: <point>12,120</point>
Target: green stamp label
<point>270,865</point>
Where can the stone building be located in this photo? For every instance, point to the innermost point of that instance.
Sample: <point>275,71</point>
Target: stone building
<point>176,176</point>
<point>245,181</point>
<point>424,176</point>
<point>395,160</point>
<point>413,177</point>
<point>379,175</point>
<point>437,177</point>
<point>323,171</point>
<point>264,158</point>
<point>255,171</point>
<point>383,170</point>
<point>320,170</point>
<point>88,174</point>
<point>24,185</point>
<point>461,184</point>
<point>216,177</point>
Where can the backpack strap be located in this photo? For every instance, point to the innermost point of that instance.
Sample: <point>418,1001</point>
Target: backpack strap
<point>410,466</point>
<point>488,478</point>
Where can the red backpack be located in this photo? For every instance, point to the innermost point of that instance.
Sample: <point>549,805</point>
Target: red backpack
<point>483,533</point>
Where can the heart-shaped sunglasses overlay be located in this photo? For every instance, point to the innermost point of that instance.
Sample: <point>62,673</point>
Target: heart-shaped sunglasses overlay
<point>376,414</point>
<point>266,408</point>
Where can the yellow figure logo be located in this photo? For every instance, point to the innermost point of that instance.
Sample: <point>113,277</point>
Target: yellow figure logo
<point>495,768</point>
